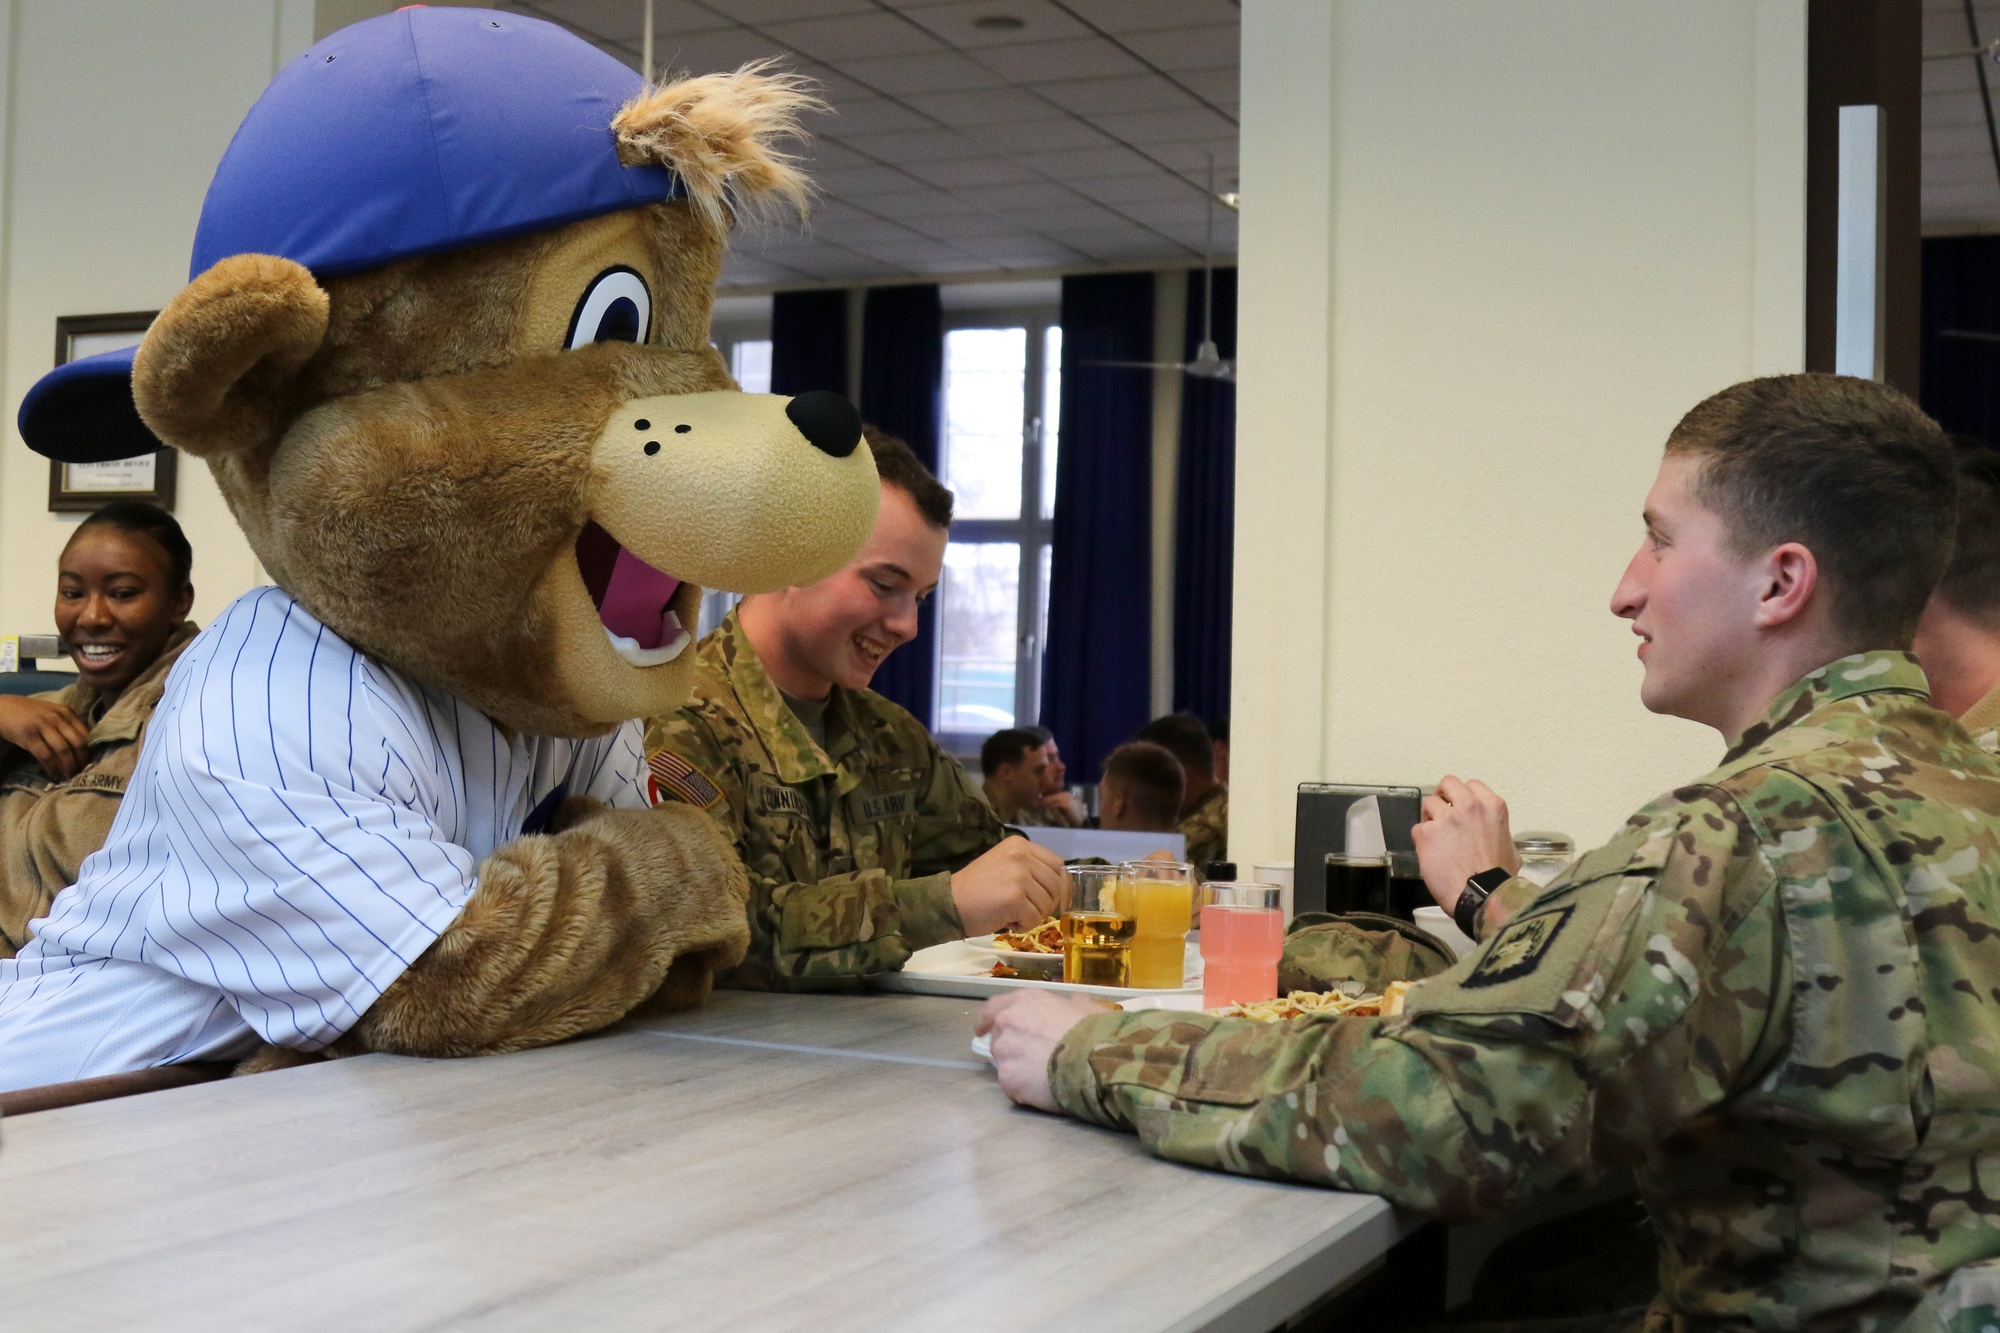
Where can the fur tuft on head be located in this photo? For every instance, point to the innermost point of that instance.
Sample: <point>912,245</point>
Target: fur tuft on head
<point>716,133</point>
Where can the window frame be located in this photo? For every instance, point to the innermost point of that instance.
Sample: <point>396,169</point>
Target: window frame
<point>1031,531</point>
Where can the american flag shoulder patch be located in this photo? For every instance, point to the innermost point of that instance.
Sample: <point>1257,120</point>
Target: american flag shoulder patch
<point>674,776</point>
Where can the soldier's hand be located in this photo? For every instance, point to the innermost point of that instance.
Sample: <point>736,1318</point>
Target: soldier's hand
<point>1464,831</point>
<point>1017,883</point>
<point>1026,1026</point>
<point>56,737</point>
<point>1063,806</point>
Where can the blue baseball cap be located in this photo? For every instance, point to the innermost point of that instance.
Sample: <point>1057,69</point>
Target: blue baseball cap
<point>412,133</point>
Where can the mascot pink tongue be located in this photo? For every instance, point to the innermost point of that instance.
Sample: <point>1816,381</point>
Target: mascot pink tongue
<point>635,602</point>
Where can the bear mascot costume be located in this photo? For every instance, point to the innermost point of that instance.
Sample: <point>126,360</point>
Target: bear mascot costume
<point>445,350</point>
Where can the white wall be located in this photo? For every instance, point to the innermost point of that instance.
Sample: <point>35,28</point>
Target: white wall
<point>116,112</point>
<point>1489,254</point>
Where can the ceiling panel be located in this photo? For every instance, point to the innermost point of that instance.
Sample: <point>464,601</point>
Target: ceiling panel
<point>972,135</point>
<point>1961,186</point>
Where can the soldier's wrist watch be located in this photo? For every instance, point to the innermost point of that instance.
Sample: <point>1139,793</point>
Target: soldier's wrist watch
<point>1465,912</point>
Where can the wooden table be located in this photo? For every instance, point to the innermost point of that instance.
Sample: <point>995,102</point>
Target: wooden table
<point>772,1162</point>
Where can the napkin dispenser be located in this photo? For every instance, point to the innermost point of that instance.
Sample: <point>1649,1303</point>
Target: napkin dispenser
<point>1340,817</point>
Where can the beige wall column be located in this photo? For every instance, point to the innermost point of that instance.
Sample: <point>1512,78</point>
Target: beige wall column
<point>1490,253</point>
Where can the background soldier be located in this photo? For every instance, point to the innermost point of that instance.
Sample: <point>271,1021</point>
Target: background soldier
<point>1769,993</point>
<point>865,842</point>
<point>1204,817</point>
<point>1958,639</point>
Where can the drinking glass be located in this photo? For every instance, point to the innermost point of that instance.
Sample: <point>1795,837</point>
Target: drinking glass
<point>1242,937</point>
<point>1159,896</point>
<point>1407,890</point>
<point>1097,939</point>
<point>1357,883</point>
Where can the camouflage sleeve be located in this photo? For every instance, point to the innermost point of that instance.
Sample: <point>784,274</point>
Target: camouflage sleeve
<point>955,825</point>
<point>1626,1001</point>
<point>824,934</point>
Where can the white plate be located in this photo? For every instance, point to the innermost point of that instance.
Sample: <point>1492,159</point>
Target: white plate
<point>959,970</point>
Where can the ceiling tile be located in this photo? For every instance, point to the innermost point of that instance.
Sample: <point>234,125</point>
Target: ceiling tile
<point>708,52</point>
<point>1216,86</point>
<point>1024,252</point>
<point>871,115</point>
<point>1023,198</point>
<point>1190,158</point>
<point>953,21</point>
<point>911,146</point>
<point>1072,215</point>
<point>778,11</point>
<point>1165,127</point>
<point>1122,16</point>
<point>1079,58</point>
<point>921,205</point>
<point>952,173</point>
<point>1155,187</point>
<point>980,106</point>
<point>1089,164</point>
<point>848,36</point>
<point>1183,49</point>
<point>923,72</point>
<point>866,182</point>
<point>1038,136</point>
<point>623,20</point>
<point>920,249</point>
<point>967,226</point>
<point>1094,98</point>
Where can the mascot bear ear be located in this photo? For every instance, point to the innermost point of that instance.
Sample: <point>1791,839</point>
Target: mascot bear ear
<point>212,375</point>
<point>717,134</point>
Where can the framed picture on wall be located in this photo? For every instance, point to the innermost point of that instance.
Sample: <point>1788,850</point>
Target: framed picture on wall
<point>80,487</point>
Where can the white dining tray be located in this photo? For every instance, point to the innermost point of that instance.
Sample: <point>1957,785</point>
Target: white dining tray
<point>957,969</point>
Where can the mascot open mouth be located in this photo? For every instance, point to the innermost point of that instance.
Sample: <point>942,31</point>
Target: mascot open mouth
<point>631,599</point>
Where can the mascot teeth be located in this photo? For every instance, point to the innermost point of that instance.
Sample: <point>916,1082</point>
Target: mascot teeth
<point>673,638</point>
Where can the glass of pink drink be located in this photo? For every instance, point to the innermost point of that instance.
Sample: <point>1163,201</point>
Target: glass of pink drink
<point>1242,935</point>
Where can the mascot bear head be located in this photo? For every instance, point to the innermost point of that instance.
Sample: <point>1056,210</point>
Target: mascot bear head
<point>445,349</point>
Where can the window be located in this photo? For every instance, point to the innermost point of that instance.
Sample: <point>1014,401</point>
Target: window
<point>1001,383</point>
<point>750,364</point>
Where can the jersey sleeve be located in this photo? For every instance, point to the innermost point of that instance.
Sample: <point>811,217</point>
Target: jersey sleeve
<point>1619,1006</point>
<point>824,934</point>
<point>613,769</point>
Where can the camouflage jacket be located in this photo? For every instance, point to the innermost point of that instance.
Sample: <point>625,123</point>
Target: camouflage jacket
<point>850,849</point>
<point>1982,722</point>
<point>1206,827</point>
<point>48,827</point>
<point>1776,996</point>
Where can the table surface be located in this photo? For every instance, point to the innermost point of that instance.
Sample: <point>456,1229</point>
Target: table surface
<point>770,1162</point>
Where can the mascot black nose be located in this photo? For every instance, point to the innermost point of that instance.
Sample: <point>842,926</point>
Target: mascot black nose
<point>828,420</point>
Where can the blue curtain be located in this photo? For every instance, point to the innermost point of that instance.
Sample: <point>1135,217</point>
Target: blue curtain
<point>809,342</point>
<point>1961,376</point>
<point>1205,514</point>
<point>902,393</point>
<point>1097,666</point>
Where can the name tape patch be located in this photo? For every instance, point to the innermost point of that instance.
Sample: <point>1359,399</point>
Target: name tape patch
<point>875,809</point>
<point>773,799</point>
<point>676,777</point>
<point>1519,950</point>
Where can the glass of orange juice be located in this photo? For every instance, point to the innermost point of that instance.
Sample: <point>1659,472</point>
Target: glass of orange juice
<point>1159,897</point>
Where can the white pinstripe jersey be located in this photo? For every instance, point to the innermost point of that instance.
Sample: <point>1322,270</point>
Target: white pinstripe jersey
<point>304,821</point>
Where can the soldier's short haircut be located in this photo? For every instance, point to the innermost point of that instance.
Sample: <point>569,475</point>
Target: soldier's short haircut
<point>1186,738</point>
<point>1971,583</point>
<point>898,465</point>
<point>1006,747</point>
<point>1151,779</point>
<point>1852,470</point>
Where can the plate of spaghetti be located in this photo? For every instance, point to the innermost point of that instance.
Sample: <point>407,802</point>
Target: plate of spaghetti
<point>1035,951</point>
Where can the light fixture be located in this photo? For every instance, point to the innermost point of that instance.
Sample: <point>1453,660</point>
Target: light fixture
<point>1231,200</point>
<point>999,23</point>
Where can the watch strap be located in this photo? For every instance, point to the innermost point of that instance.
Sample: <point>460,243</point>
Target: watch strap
<point>1480,887</point>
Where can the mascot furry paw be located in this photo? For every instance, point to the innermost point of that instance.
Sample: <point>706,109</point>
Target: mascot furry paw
<point>445,349</point>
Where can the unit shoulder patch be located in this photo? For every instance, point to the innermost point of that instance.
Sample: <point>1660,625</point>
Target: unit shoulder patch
<point>1519,950</point>
<point>671,775</point>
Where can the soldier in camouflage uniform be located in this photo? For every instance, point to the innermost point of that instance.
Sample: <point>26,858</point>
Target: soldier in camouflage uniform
<point>1958,639</point>
<point>1204,816</point>
<point>1773,996</point>
<point>850,846</point>
<point>864,841</point>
